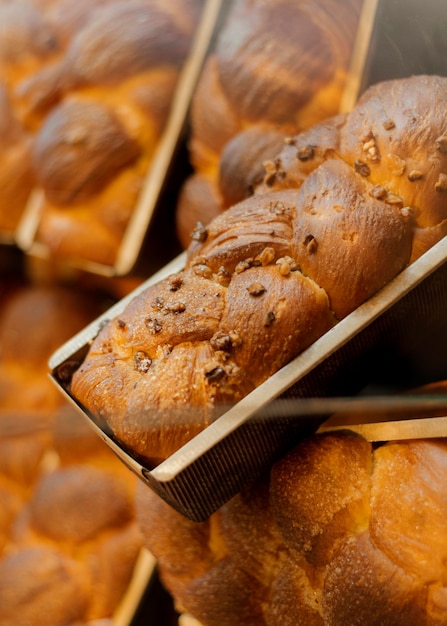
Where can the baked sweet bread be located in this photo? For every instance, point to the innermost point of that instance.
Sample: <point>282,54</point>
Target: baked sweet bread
<point>88,87</point>
<point>34,321</point>
<point>339,532</point>
<point>79,519</point>
<point>278,68</point>
<point>68,538</point>
<point>334,220</point>
<point>71,546</point>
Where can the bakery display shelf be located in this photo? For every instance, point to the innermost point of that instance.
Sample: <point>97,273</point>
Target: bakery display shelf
<point>208,470</point>
<point>159,172</point>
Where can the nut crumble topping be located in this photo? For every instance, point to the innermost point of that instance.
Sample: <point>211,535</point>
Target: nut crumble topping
<point>199,233</point>
<point>441,183</point>
<point>362,168</point>
<point>256,289</point>
<point>311,244</point>
<point>415,175</point>
<point>305,153</point>
<point>142,362</point>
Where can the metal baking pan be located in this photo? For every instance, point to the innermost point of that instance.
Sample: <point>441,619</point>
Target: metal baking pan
<point>211,468</point>
<point>142,217</point>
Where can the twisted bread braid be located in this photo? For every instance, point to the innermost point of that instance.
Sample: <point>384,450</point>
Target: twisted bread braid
<point>90,86</point>
<point>279,67</point>
<point>68,537</point>
<point>342,210</point>
<point>73,547</point>
<point>69,540</point>
<point>340,532</point>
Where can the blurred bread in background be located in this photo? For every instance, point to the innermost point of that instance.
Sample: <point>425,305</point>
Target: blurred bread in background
<point>35,320</point>
<point>85,91</point>
<point>278,68</point>
<point>68,536</point>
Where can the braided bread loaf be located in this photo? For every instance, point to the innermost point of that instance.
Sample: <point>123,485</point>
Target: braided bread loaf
<point>68,536</point>
<point>279,67</point>
<point>340,532</point>
<point>88,86</point>
<point>69,539</point>
<point>347,207</point>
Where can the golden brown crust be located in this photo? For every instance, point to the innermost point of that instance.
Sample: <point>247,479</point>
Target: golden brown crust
<point>78,525</point>
<point>91,85</point>
<point>421,464</point>
<point>124,39</point>
<point>60,501</point>
<point>204,560</point>
<point>110,563</point>
<point>246,231</point>
<point>368,241</point>
<point>38,585</point>
<point>11,502</point>
<point>176,536</point>
<point>16,182</point>
<point>424,238</point>
<point>242,160</point>
<point>294,601</point>
<point>27,38</point>
<point>24,441</point>
<point>231,595</point>
<point>401,137</point>
<point>202,201</point>
<point>27,42</point>
<point>363,582</point>
<point>313,515</point>
<point>53,313</point>
<point>272,69</point>
<point>340,532</point>
<point>16,178</point>
<point>279,64</point>
<point>186,335</point>
<point>399,150</point>
<point>168,348</point>
<point>62,230</point>
<point>301,154</point>
<point>69,157</point>
<point>213,126</point>
<point>68,536</point>
<point>248,532</point>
